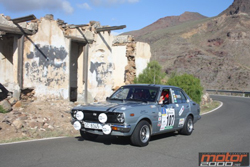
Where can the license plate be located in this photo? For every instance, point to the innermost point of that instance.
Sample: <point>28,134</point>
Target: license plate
<point>92,125</point>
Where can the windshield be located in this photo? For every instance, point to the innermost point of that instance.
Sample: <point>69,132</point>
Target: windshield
<point>135,93</point>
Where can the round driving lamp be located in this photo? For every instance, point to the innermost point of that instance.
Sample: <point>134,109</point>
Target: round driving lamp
<point>77,125</point>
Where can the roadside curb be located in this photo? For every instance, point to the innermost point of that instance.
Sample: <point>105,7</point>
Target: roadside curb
<point>221,104</point>
<point>27,141</point>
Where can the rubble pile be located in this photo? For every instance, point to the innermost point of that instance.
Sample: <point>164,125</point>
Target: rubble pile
<point>32,118</point>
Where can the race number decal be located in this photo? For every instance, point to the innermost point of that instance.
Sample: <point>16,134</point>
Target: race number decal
<point>168,118</point>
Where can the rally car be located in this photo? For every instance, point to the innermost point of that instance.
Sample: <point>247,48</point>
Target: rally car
<point>138,111</point>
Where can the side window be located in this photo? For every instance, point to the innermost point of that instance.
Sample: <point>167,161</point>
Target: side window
<point>178,96</point>
<point>165,97</point>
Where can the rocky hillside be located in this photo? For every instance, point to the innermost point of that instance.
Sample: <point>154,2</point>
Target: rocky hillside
<point>166,22</point>
<point>239,6</point>
<point>216,50</point>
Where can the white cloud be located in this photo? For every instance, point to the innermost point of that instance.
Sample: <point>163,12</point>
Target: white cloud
<point>111,2</point>
<point>31,5</point>
<point>67,8</point>
<point>84,6</point>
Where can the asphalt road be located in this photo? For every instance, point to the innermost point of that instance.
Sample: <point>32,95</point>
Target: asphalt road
<point>224,130</point>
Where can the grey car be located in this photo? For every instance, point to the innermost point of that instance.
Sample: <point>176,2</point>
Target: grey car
<point>138,111</point>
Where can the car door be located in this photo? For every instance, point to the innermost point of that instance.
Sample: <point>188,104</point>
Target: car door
<point>166,114</point>
<point>181,105</point>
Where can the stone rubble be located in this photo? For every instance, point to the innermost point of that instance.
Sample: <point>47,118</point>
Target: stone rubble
<point>32,118</point>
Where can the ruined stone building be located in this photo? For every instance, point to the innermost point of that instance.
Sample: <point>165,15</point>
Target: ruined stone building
<point>75,62</point>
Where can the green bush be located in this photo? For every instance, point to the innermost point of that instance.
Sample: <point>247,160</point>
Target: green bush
<point>152,74</point>
<point>2,110</point>
<point>190,84</point>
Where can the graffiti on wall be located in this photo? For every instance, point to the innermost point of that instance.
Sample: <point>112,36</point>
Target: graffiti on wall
<point>103,72</point>
<point>47,65</point>
<point>101,67</point>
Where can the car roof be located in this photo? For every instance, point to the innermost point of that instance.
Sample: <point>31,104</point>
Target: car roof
<point>153,85</point>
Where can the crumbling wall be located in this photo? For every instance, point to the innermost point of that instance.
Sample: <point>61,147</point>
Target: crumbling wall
<point>101,65</point>
<point>46,60</point>
<point>137,54</point>
<point>49,55</point>
<point>143,55</point>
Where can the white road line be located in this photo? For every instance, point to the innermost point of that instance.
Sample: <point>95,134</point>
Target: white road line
<point>221,104</point>
<point>26,141</point>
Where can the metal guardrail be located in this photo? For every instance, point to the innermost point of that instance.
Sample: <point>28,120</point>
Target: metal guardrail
<point>244,93</point>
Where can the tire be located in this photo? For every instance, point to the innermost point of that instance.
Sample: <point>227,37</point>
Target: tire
<point>88,136</point>
<point>141,134</point>
<point>188,126</point>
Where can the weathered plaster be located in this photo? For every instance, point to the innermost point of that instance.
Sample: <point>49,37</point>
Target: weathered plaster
<point>101,66</point>
<point>142,57</point>
<point>120,62</point>
<point>46,60</point>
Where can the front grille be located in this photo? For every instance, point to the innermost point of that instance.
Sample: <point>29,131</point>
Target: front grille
<point>92,116</point>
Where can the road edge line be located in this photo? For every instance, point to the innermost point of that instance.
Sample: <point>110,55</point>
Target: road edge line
<point>33,140</point>
<point>221,104</point>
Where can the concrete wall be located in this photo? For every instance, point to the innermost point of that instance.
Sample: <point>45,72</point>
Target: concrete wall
<point>46,58</point>
<point>120,62</point>
<point>143,55</point>
<point>101,65</point>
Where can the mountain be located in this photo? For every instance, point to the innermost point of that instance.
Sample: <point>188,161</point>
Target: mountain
<point>238,6</point>
<point>216,50</point>
<point>167,22</point>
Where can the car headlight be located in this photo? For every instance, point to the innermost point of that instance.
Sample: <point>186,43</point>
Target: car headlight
<point>77,125</point>
<point>79,115</point>
<point>120,118</point>
<point>102,118</point>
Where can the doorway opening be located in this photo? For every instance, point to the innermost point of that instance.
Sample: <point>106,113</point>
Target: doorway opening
<point>6,60</point>
<point>76,67</point>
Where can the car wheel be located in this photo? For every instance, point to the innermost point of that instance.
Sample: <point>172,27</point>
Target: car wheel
<point>188,126</point>
<point>141,134</point>
<point>88,136</point>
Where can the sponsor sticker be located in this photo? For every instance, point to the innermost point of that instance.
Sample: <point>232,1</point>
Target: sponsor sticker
<point>181,122</point>
<point>224,159</point>
<point>159,114</point>
<point>181,110</point>
<point>167,119</point>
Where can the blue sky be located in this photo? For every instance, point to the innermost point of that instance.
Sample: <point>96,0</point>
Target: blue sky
<point>135,14</point>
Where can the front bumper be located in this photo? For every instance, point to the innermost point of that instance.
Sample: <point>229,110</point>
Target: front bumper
<point>116,130</point>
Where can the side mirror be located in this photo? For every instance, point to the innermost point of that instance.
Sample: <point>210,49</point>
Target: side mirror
<point>107,98</point>
<point>188,100</point>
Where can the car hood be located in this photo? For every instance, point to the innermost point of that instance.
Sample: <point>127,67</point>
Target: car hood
<point>109,106</point>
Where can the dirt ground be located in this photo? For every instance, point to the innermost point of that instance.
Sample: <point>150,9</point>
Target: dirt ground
<point>37,119</point>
